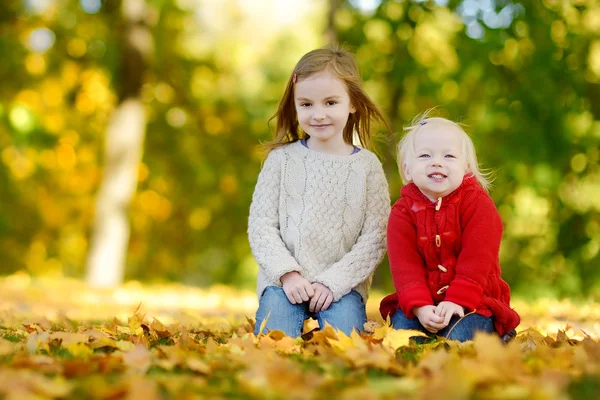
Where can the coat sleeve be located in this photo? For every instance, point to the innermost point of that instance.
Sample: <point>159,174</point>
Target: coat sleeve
<point>406,263</point>
<point>359,263</point>
<point>481,236</point>
<point>271,253</point>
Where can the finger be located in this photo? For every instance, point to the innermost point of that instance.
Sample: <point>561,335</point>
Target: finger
<point>447,319</point>
<point>290,297</point>
<point>328,302</point>
<point>437,319</point>
<point>320,302</point>
<point>313,303</point>
<point>297,297</point>
<point>431,329</point>
<point>310,290</point>
<point>303,295</point>
<point>437,325</point>
<point>461,312</point>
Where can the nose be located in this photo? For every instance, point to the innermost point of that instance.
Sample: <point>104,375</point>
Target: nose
<point>436,162</point>
<point>318,114</point>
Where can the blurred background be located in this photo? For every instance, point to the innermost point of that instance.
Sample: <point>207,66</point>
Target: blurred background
<point>129,129</point>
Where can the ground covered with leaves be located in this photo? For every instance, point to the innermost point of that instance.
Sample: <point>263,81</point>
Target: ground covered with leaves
<point>61,339</point>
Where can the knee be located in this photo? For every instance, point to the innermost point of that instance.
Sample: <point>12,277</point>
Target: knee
<point>400,321</point>
<point>273,296</point>
<point>465,329</point>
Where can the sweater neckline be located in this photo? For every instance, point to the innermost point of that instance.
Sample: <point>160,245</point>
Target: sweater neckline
<point>317,155</point>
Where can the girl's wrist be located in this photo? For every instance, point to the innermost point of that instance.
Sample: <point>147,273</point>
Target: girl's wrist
<point>288,275</point>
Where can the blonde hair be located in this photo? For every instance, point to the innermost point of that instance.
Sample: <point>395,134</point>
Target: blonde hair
<point>406,148</point>
<point>342,64</point>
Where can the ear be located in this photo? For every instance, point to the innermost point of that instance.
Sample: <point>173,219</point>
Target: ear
<point>406,171</point>
<point>352,109</point>
<point>468,168</point>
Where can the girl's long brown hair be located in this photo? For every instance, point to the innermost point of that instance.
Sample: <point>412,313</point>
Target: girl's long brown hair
<point>341,64</point>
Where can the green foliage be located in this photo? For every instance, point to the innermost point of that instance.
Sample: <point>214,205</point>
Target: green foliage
<point>528,92</point>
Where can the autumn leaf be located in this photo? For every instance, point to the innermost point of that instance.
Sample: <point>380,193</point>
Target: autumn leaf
<point>138,359</point>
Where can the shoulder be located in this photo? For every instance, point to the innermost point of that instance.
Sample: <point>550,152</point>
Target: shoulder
<point>478,205</point>
<point>402,207</point>
<point>475,196</point>
<point>279,154</point>
<point>369,161</point>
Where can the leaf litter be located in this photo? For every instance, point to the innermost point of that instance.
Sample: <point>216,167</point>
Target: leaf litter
<point>58,342</point>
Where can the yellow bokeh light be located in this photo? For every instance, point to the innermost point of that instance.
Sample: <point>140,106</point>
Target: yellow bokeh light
<point>52,93</point>
<point>150,200</point>
<point>591,19</point>
<point>84,104</point>
<point>143,172</point>
<point>164,93</point>
<point>29,98</point>
<point>377,30</point>
<point>69,74</point>
<point>579,162</point>
<point>213,125</point>
<point>200,218</point>
<point>450,90</point>
<point>35,64</point>
<point>163,211</point>
<point>66,157</point>
<point>77,47</point>
<point>47,159</point>
<point>54,122</point>
<point>228,184</point>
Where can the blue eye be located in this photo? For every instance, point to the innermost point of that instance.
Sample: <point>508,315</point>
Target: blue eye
<point>424,156</point>
<point>450,156</point>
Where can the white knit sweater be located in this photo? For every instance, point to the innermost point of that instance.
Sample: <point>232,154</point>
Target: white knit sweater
<point>322,215</point>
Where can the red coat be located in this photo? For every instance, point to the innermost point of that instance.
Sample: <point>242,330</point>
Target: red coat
<point>448,250</point>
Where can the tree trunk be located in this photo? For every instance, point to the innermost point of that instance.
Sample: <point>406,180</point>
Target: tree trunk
<point>122,155</point>
<point>330,31</point>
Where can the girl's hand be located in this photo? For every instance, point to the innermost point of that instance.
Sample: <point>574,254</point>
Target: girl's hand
<point>296,288</point>
<point>322,298</point>
<point>446,309</point>
<point>428,318</point>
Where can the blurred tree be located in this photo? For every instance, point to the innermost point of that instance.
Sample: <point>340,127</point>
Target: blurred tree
<point>123,150</point>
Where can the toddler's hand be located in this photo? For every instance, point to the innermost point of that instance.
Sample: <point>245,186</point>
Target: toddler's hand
<point>296,288</point>
<point>428,318</point>
<point>322,298</point>
<point>446,309</point>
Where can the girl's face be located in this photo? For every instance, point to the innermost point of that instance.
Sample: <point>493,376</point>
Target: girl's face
<point>439,162</point>
<point>323,106</point>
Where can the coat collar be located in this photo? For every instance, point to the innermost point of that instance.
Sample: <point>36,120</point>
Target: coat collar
<point>412,191</point>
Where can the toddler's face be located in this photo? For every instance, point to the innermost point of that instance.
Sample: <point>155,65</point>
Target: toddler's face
<point>439,163</point>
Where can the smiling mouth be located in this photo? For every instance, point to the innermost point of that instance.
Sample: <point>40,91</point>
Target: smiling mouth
<point>437,176</point>
<point>320,126</point>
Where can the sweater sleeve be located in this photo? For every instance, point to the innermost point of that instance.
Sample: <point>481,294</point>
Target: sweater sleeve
<point>359,263</point>
<point>482,233</point>
<point>406,263</point>
<point>264,236</point>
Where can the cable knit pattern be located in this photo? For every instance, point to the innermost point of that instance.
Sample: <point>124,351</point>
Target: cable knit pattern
<point>322,215</point>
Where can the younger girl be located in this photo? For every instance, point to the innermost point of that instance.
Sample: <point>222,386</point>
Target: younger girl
<point>443,239</point>
<point>319,212</point>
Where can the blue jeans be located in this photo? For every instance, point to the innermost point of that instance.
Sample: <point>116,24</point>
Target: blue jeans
<point>346,314</point>
<point>461,329</point>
